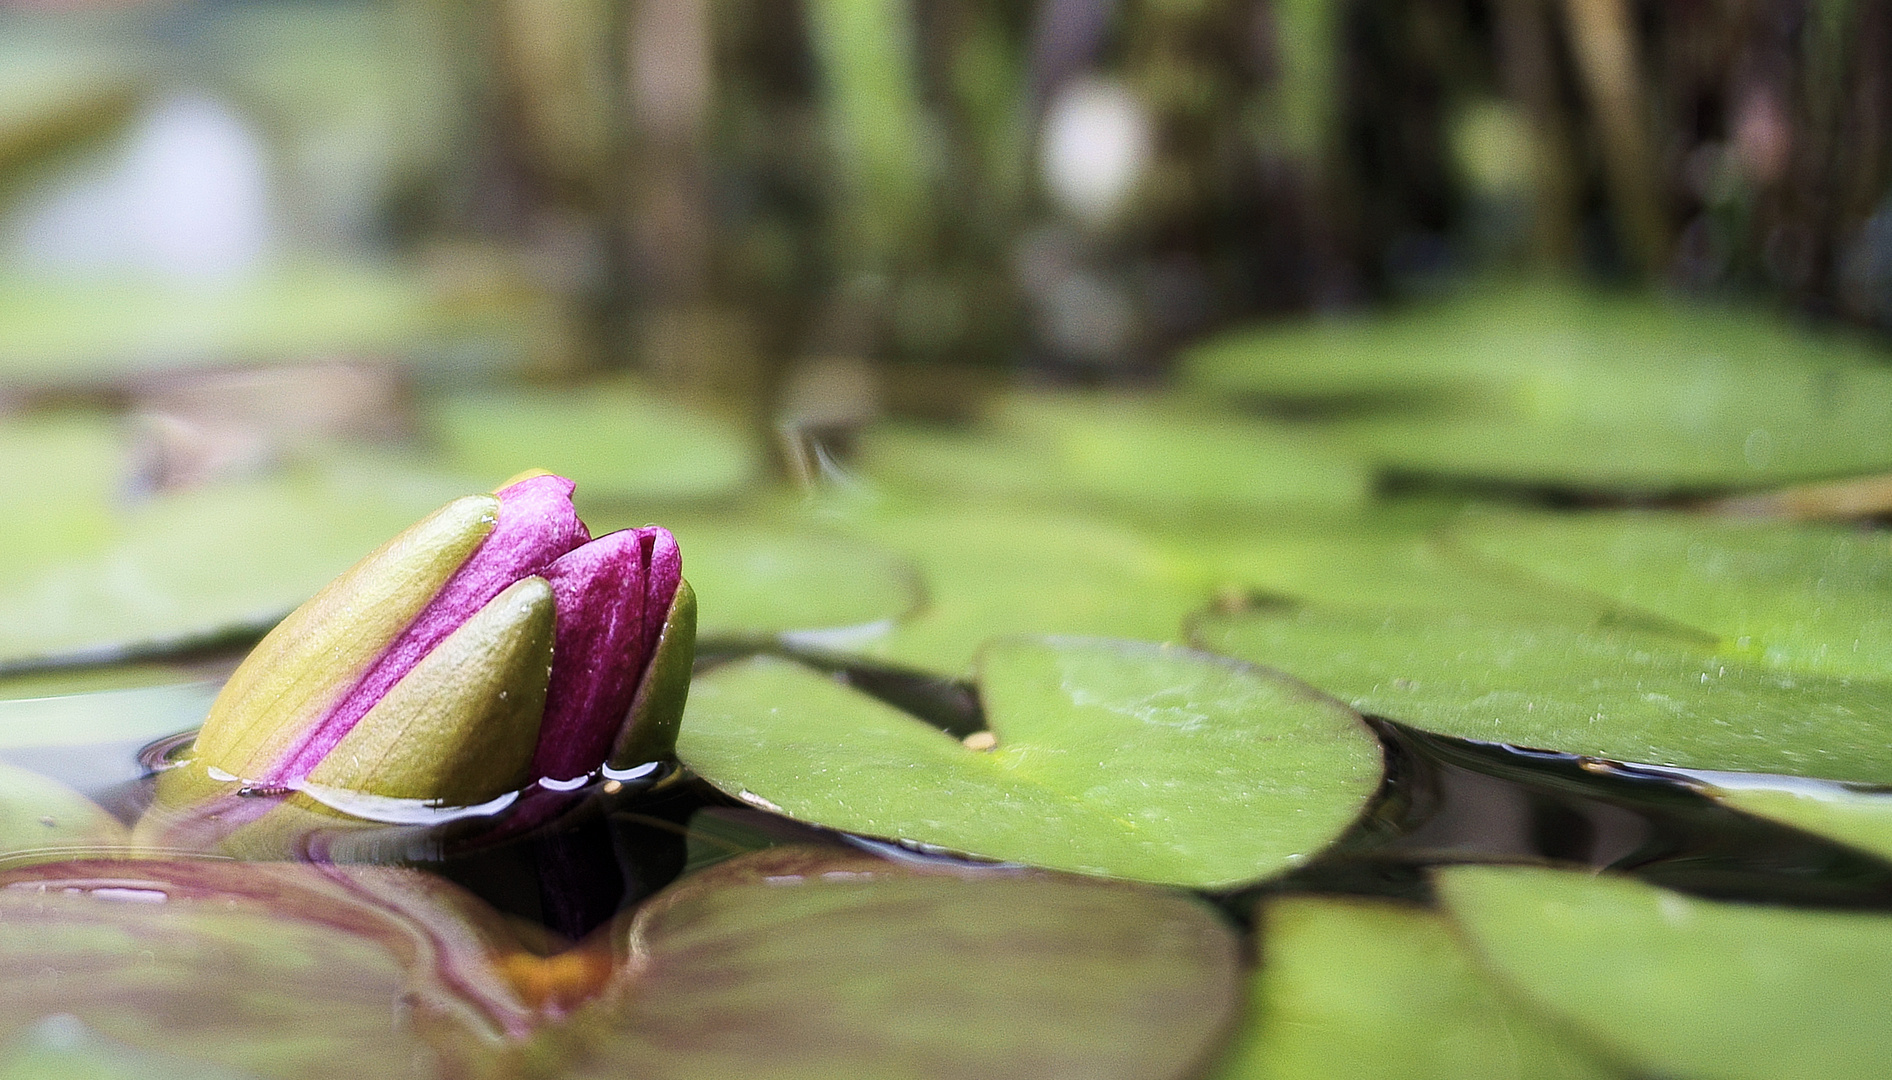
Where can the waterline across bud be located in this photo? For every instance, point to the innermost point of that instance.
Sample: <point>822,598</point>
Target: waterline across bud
<point>492,644</point>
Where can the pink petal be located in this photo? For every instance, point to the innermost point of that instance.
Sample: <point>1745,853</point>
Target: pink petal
<point>613,595</point>
<point>536,525</point>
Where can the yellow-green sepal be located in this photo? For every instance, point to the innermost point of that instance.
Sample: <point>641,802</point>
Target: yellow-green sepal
<point>650,731</point>
<point>297,673</point>
<point>460,728</point>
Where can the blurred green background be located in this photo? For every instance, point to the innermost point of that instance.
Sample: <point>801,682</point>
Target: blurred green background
<point>1168,302</point>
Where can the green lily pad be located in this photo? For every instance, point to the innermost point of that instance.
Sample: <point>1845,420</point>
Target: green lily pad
<point>1579,391</point>
<point>61,475</point>
<point>204,566</point>
<point>619,443</point>
<point>273,969</point>
<point>990,571</point>
<point>1861,819</point>
<point>1703,427</point>
<point>1620,695</point>
<point>1680,986</point>
<point>1814,598</point>
<point>805,962</point>
<point>757,582</point>
<point>57,333</point>
<point>42,820</point>
<point>1371,990</point>
<point>1113,758</point>
<point>1373,560</point>
<point>1145,454</point>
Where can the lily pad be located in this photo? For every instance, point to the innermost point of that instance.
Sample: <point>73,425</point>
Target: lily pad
<point>990,571</point>
<point>1705,426</point>
<point>42,820</point>
<point>276,969</point>
<point>58,333</point>
<point>1680,986</point>
<point>1620,695</point>
<point>1560,388</point>
<point>1370,560</point>
<point>61,476</point>
<point>757,582</point>
<point>202,567</point>
<point>805,962</point>
<point>1371,990</point>
<point>1145,454</point>
<point>1112,758</point>
<point>1814,598</point>
<point>1861,819</point>
<point>619,443</point>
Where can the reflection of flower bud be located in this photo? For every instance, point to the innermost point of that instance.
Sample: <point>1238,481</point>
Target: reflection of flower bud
<point>492,644</point>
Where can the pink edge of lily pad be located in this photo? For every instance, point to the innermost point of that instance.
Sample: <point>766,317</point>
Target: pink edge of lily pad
<point>536,526</point>
<point>612,596</point>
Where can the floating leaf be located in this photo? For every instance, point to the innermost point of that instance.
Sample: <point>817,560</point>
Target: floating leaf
<point>1637,698</point>
<point>619,443</point>
<point>1374,990</point>
<point>1113,758</point>
<point>60,478</point>
<point>1858,818</point>
<point>203,566</point>
<point>1384,558</point>
<point>1681,986</point>
<point>1815,598</point>
<point>1142,454</point>
<point>802,962</point>
<point>42,819</point>
<point>276,969</point>
<point>992,571</point>
<point>755,582</point>
<point>1574,391</point>
<point>57,332</point>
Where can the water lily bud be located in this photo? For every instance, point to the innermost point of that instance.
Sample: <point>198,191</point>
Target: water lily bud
<point>492,644</point>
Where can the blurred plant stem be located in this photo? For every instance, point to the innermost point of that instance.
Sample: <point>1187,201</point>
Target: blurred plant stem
<point>1603,42</point>
<point>1526,46</point>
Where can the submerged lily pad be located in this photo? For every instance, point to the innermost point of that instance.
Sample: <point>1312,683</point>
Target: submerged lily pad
<point>276,970</point>
<point>1114,758</point>
<point>200,567</point>
<point>619,443</point>
<point>1620,695</point>
<point>1815,598</point>
<point>1681,986</point>
<point>1355,989</point>
<point>1857,818</point>
<point>804,962</point>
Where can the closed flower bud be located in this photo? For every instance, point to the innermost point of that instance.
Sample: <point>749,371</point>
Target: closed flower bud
<point>492,644</point>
